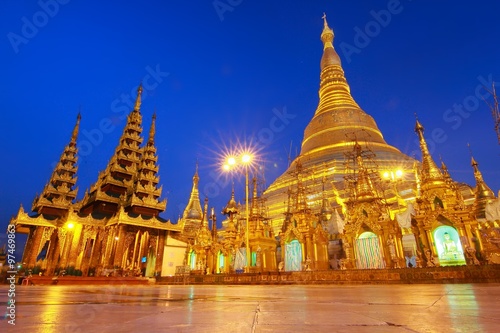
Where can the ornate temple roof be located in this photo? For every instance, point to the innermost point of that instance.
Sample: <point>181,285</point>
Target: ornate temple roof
<point>145,198</point>
<point>59,193</point>
<point>110,190</point>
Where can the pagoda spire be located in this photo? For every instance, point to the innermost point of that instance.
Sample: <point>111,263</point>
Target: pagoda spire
<point>146,196</point>
<point>231,207</point>
<point>74,135</point>
<point>338,118</point>
<point>59,193</point>
<point>482,193</point>
<point>300,200</point>
<point>230,211</point>
<point>152,130</point>
<point>204,222</point>
<point>364,185</point>
<point>430,173</point>
<point>137,105</point>
<point>193,208</point>
<point>193,213</point>
<point>117,180</point>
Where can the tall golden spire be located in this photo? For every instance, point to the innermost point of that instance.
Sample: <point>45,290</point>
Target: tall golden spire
<point>193,208</point>
<point>152,130</point>
<point>483,193</point>
<point>338,119</point>
<point>117,180</point>
<point>193,214</point>
<point>430,173</point>
<point>145,198</point>
<point>58,194</point>
<point>204,222</point>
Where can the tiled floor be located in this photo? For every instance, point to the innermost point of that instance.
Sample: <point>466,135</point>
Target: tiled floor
<point>296,308</point>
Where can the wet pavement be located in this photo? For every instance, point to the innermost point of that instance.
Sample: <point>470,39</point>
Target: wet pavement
<point>250,308</point>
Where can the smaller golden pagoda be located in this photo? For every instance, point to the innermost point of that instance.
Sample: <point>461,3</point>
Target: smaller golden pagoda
<point>193,214</point>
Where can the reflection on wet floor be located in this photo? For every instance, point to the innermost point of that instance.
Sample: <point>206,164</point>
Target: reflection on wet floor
<point>402,308</point>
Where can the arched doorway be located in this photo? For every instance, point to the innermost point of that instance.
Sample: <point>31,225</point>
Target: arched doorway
<point>448,246</point>
<point>368,251</point>
<point>293,256</point>
<point>192,260</point>
<point>221,263</point>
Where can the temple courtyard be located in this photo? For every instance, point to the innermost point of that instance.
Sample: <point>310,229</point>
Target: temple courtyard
<point>254,308</point>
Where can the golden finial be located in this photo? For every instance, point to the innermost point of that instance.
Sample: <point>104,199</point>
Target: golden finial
<point>137,106</point>
<point>152,129</point>
<point>418,125</point>
<point>196,178</point>
<point>473,161</point>
<point>327,34</point>
<point>77,126</point>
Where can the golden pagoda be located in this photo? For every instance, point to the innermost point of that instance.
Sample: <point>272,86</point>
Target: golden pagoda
<point>59,193</point>
<point>193,214</point>
<point>336,126</point>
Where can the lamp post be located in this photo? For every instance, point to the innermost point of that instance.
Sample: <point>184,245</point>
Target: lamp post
<point>245,160</point>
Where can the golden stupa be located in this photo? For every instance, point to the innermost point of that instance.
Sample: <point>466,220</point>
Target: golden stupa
<point>328,145</point>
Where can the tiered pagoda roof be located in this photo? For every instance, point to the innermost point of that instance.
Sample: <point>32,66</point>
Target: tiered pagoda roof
<point>58,195</point>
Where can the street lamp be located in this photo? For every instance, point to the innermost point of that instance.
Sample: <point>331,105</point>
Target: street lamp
<point>393,175</point>
<point>243,159</point>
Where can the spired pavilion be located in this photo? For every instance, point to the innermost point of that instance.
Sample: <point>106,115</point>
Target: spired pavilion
<point>115,228</point>
<point>349,200</point>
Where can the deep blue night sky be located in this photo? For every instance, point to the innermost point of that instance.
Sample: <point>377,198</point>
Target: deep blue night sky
<point>219,76</point>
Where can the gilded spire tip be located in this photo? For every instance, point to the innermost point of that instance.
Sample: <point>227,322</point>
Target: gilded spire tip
<point>137,106</point>
<point>152,130</point>
<point>77,126</point>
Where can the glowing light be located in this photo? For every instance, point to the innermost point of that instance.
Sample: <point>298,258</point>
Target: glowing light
<point>117,238</point>
<point>246,158</point>
<point>231,161</point>
<point>70,225</point>
<point>399,173</point>
<point>386,174</point>
<point>226,167</point>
